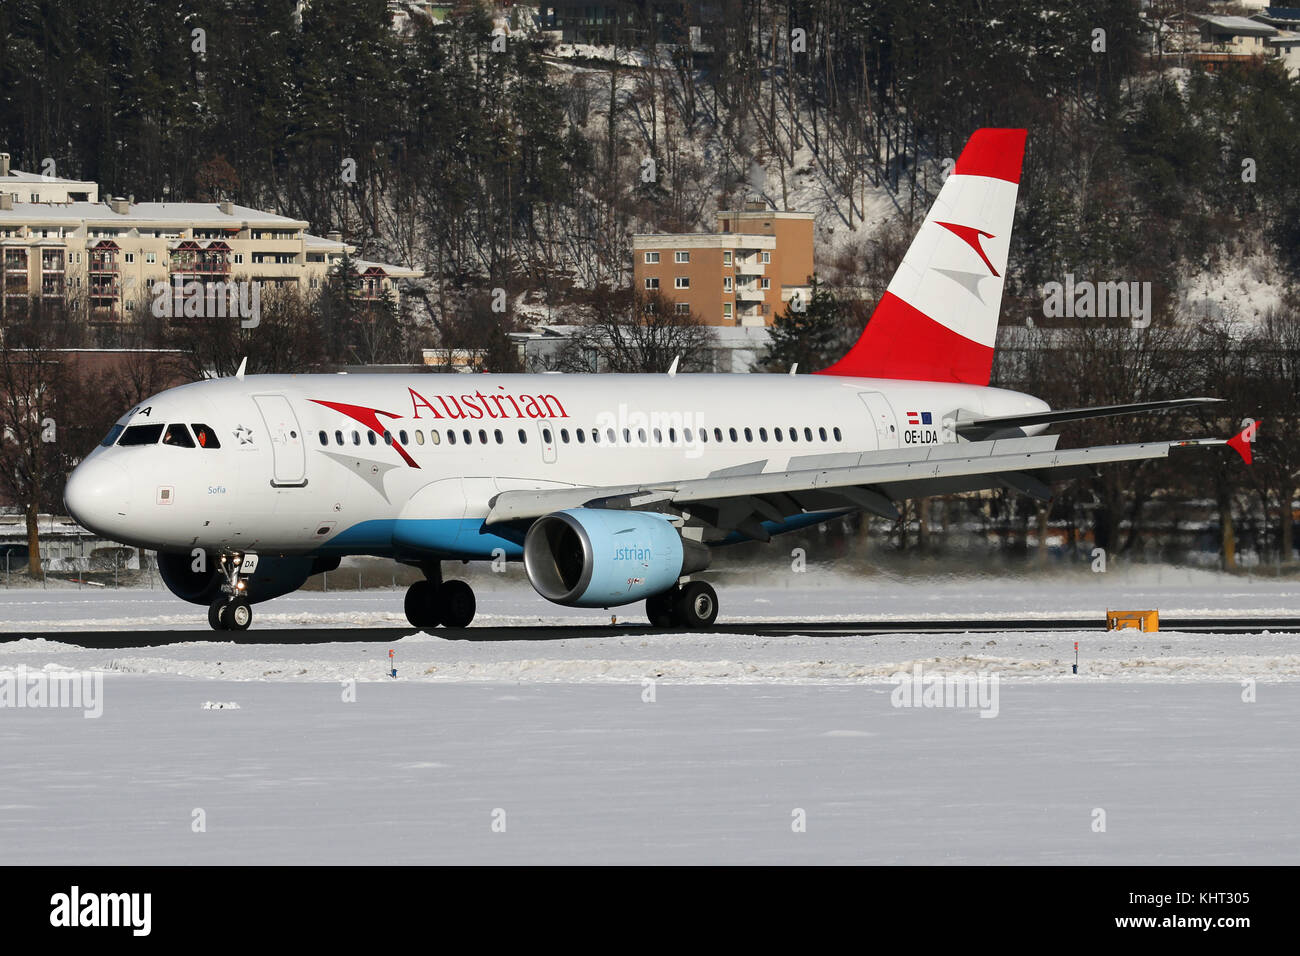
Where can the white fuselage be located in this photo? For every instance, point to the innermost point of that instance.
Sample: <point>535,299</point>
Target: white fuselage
<point>304,466</point>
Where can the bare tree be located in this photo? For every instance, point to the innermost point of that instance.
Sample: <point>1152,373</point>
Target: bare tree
<point>634,332</point>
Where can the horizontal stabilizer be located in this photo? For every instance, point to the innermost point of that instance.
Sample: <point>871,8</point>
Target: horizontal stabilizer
<point>984,427</point>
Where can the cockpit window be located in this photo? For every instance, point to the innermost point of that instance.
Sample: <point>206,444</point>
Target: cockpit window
<point>206,437</point>
<point>178,435</point>
<point>111,437</point>
<point>141,435</point>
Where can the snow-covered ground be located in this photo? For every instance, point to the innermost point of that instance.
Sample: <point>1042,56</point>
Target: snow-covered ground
<point>581,773</point>
<point>686,748</point>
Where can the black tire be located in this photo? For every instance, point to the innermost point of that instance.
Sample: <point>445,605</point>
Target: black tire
<point>659,608</point>
<point>421,605</point>
<point>456,598</point>
<point>696,606</point>
<point>217,614</point>
<point>238,614</point>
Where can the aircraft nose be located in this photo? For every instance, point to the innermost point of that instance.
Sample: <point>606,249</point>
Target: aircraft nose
<point>96,494</point>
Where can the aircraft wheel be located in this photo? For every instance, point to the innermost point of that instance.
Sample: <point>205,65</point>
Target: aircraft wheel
<point>659,608</point>
<point>239,614</point>
<point>421,605</point>
<point>696,606</point>
<point>458,605</point>
<point>217,615</point>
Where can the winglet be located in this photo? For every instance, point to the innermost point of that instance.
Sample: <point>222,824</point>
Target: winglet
<point>1241,443</point>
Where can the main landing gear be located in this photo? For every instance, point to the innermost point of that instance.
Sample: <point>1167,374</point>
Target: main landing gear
<point>690,606</point>
<point>433,601</point>
<point>232,611</point>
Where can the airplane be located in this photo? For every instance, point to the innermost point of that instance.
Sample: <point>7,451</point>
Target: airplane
<point>611,489</point>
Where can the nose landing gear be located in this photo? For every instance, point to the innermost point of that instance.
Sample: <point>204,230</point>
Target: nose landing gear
<point>232,611</point>
<point>434,602</point>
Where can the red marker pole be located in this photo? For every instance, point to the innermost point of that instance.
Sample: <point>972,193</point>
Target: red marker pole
<point>1076,657</point>
<point>392,663</point>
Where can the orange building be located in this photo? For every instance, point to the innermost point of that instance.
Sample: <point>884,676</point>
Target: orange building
<point>744,274</point>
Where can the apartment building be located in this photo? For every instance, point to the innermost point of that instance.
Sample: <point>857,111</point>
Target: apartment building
<point>743,274</point>
<point>39,187</point>
<point>110,255</point>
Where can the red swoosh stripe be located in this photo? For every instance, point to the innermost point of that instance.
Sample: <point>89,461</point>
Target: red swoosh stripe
<point>370,418</point>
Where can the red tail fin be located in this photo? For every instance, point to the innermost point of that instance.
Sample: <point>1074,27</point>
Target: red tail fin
<point>938,319</point>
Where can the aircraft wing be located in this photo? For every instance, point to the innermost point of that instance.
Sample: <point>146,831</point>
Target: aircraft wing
<point>741,499</point>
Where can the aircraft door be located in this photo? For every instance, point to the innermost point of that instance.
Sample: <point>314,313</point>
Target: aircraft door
<point>287,448</point>
<point>882,414</point>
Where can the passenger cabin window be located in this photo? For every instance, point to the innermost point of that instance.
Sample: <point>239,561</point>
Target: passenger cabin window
<point>141,435</point>
<point>523,437</point>
<point>435,437</point>
<point>419,437</point>
<point>178,435</point>
<point>338,438</point>
<point>838,436</point>
<point>324,439</point>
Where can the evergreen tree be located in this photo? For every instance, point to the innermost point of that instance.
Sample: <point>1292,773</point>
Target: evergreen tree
<point>812,332</point>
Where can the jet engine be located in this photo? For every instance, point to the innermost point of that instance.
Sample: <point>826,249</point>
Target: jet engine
<point>199,582</point>
<point>591,557</point>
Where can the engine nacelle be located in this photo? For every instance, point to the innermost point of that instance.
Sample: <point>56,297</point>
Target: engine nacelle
<point>591,557</point>
<point>273,578</point>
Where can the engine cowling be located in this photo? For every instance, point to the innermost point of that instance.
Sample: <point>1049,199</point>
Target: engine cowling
<point>273,578</point>
<point>591,557</point>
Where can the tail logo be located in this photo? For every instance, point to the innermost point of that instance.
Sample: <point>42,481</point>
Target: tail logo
<point>971,236</point>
